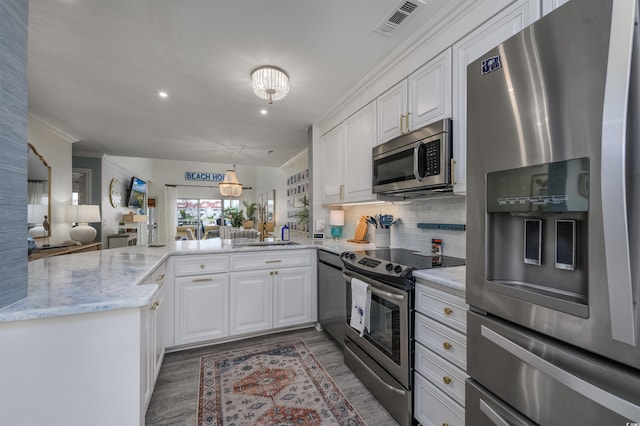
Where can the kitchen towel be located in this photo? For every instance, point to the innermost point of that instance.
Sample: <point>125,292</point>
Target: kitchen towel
<point>360,305</point>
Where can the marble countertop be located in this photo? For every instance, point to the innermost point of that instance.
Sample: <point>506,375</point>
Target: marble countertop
<point>452,277</point>
<point>113,279</point>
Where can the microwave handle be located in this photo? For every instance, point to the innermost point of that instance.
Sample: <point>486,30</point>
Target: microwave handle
<point>416,161</point>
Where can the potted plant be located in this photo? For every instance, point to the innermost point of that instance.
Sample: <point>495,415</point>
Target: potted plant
<point>235,216</point>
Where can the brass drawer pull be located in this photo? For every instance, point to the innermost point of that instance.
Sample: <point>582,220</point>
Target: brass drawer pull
<point>446,380</point>
<point>160,278</point>
<point>446,345</point>
<point>273,261</point>
<point>202,266</point>
<point>201,280</point>
<point>448,311</point>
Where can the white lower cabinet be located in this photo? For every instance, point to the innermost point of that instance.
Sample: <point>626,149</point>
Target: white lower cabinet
<point>440,356</point>
<point>292,297</point>
<point>152,335</point>
<point>201,308</point>
<point>251,302</point>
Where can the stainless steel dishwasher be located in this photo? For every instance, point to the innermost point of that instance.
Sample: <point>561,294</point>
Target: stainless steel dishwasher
<point>332,297</point>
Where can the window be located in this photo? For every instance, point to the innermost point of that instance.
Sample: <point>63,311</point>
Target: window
<point>198,213</point>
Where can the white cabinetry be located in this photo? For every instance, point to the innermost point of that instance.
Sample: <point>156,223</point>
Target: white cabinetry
<point>422,98</point>
<point>202,298</point>
<point>251,301</point>
<point>495,31</point>
<point>152,335</point>
<point>551,5</point>
<point>440,356</point>
<point>346,158</point>
<point>271,290</point>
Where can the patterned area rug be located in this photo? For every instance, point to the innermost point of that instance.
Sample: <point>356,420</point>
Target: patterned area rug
<point>272,384</point>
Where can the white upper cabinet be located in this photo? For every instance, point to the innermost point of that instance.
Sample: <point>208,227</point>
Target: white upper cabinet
<point>551,5</point>
<point>346,158</point>
<point>498,29</point>
<point>420,99</point>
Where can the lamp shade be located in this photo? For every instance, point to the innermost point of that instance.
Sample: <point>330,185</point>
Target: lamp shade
<point>336,217</point>
<point>270,83</point>
<point>230,187</point>
<point>83,214</point>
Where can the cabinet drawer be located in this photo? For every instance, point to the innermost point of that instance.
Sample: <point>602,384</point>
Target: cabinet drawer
<point>446,376</point>
<point>445,341</point>
<point>158,275</point>
<point>442,306</point>
<point>433,407</point>
<point>272,259</point>
<point>201,264</point>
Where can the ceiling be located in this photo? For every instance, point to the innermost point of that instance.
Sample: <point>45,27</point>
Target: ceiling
<point>96,66</point>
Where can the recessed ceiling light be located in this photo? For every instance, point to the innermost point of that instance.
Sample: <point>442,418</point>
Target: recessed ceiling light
<point>163,94</point>
<point>263,111</point>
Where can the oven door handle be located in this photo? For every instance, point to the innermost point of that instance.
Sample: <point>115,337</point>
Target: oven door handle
<point>385,294</point>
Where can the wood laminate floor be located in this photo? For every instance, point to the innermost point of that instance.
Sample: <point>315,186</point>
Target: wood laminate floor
<point>174,400</point>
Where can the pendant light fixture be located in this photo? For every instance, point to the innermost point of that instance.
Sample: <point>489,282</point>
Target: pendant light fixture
<point>270,83</point>
<point>230,187</point>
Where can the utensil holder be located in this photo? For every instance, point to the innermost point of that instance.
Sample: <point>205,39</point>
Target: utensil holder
<point>382,238</point>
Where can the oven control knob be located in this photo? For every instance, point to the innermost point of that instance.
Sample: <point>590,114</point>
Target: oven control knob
<point>397,269</point>
<point>388,267</point>
<point>352,256</point>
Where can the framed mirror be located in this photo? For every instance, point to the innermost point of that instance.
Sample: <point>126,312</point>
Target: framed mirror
<point>38,195</point>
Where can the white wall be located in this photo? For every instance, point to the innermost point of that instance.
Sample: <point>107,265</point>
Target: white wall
<point>56,149</point>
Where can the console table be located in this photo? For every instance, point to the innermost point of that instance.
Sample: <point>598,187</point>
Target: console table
<point>40,253</point>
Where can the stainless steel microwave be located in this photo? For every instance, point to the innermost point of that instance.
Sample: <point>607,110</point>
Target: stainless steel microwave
<point>415,164</point>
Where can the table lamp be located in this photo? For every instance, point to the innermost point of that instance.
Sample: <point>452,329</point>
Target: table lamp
<point>336,220</point>
<point>83,215</point>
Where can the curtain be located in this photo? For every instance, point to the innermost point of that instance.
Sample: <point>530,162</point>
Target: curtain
<point>171,217</point>
<point>36,192</point>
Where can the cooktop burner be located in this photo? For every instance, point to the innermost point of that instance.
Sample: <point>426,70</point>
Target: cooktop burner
<point>413,258</point>
<point>395,263</point>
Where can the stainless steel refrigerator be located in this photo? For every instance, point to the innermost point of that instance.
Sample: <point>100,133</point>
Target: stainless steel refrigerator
<point>553,222</point>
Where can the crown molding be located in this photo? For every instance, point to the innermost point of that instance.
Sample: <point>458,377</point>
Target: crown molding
<point>50,127</point>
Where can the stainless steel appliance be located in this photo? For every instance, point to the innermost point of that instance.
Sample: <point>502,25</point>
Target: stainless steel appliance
<point>382,357</point>
<point>553,221</point>
<point>414,164</point>
<point>331,295</point>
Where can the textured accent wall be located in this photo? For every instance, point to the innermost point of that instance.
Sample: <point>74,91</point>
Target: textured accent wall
<point>13,150</point>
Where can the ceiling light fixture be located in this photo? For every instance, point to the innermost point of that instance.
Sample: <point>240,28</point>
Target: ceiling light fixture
<point>263,111</point>
<point>230,187</point>
<point>163,94</point>
<point>270,83</point>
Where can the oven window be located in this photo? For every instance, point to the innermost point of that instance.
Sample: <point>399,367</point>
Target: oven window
<point>394,168</point>
<point>384,319</point>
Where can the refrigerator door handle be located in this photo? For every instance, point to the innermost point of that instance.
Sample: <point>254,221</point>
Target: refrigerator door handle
<point>612,402</point>
<point>613,174</point>
<point>492,415</point>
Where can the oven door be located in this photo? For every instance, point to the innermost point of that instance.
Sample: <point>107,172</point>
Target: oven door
<point>388,340</point>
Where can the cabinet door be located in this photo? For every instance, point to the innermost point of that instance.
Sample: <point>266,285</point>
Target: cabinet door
<point>551,5</point>
<point>392,110</point>
<point>430,92</point>
<point>158,333</point>
<point>495,31</point>
<point>202,308</point>
<point>251,301</point>
<point>360,138</point>
<point>333,158</point>
<point>292,297</point>
<point>146,354</point>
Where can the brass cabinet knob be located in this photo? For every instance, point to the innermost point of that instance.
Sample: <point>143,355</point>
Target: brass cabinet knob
<point>448,311</point>
<point>446,345</point>
<point>446,380</point>
<point>276,272</point>
<point>445,424</point>
<point>202,266</point>
<point>271,273</point>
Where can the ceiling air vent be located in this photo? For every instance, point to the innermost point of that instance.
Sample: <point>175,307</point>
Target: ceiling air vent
<point>397,16</point>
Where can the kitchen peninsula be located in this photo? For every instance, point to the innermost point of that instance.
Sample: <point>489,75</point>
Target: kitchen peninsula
<point>86,345</point>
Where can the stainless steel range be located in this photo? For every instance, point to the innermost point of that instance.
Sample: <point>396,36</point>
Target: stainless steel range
<point>382,357</point>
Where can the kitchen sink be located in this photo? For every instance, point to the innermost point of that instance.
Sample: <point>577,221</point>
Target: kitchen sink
<point>264,243</point>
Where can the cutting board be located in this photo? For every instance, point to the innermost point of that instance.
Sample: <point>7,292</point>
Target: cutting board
<point>361,231</point>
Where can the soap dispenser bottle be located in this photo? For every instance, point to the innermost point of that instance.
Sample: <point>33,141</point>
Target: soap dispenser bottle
<point>285,233</point>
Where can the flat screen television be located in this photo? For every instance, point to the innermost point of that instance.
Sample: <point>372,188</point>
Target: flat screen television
<point>137,193</point>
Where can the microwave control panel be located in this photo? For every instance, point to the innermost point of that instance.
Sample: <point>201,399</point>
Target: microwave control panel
<point>430,151</point>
